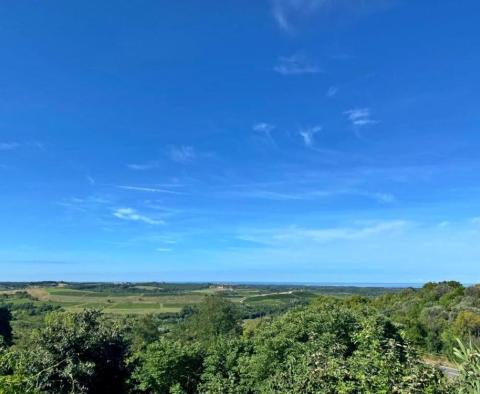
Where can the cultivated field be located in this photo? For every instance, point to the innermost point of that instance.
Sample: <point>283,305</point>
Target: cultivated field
<point>134,298</point>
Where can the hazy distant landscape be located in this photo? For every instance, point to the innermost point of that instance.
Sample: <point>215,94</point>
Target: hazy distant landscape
<point>31,300</point>
<point>168,297</point>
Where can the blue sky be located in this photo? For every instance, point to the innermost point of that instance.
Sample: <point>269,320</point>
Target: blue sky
<point>283,140</point>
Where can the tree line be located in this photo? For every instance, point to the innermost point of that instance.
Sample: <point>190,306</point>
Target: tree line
<point>333,345</point>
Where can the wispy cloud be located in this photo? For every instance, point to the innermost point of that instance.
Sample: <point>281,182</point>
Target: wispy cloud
<point>332,91</point>
<point>37,145</point>
<point>476,220</point>
<point>290,14</point>
<point>156,238</point>
<point>325,235</point>
<point>132,215</point>
<point>164,250</point>
<point>13,145</point>
<point>280,16</point>
<point>331,234</point>
<point>360,117</point>
<point>84,204</point>
<point>263,127</point>
<point>308,135</point>
<point>143,166</point>
<point>148,189</point>
<point>287,12</point>
<point>9,145</point>
<point>382,197</point>
<point>296,65</point>
<point>39,262</point>
<point>267,195</point>
<point>265,131</point>
<point>90,180</point>
<point>306,195</point>
<point>182,154</point>
<point>152,240</point>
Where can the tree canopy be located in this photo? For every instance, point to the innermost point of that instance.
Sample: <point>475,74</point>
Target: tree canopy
<point>332,345</point>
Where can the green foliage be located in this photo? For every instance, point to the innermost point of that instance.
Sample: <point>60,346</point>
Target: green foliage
<point>468,359</point>
<point>467,324</point>
<point>145,330</point>
<point>13,381</point>
<point>168,366</point>
<point>74,352</point>
<point>327,348</point>
<point>434,315</point>
<point>226,367</point>
<point>333,345</point>
<point>214,317</point>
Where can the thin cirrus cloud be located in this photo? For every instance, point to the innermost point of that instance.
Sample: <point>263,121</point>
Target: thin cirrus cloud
<point>85,204</point>
<point>382,197</point>
<point>182,154</point>
<point>9,145</point>
<point>290,14</point>
<point>143,166</point>
<point>263,127</point>
<point>148,189</point>
<point>308,135</point>
<point>332,91</point>
<point>13,145</point>
<point>131,214</point>
<point>164,250</point>
<point>296,234</point>
<point>43,262</point>
<point>296,65</point>
<point>311,195</point>
<point>287,13</point>
<point>476,220</point>
<point>360,117</point>
<point>265,131</point>
<point>279,14</point>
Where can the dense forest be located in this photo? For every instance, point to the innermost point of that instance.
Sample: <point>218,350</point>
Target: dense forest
<point>330,344</point>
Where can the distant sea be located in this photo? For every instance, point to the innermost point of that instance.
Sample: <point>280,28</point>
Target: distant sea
<point>333,284</point>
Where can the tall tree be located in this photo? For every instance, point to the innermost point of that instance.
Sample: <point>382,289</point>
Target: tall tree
<point>214,317</point>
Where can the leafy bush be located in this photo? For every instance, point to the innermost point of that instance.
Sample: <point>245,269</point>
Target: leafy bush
<point>329,347</point>
<point>468,359</point>
<point>434,315</point>
<point>166,365</point>
<point>74,352</point>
